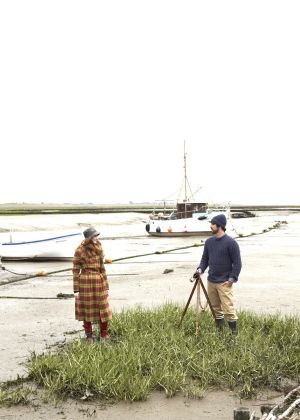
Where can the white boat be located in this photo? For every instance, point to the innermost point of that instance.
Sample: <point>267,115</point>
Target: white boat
<point>60,247</point>
<point>196,225</point>
<point>189,218</point>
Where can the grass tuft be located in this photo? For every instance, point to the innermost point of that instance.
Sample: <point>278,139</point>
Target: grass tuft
<point>150,352</point>
<point>16,396</point>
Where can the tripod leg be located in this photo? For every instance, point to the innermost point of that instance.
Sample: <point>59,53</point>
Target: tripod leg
<point>207,298</point>
<point>197,308</point>
<point>188,302</point>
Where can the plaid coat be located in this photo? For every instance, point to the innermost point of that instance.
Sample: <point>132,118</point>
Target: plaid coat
<point>90,280</point>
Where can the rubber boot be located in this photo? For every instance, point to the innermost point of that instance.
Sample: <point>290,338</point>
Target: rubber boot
<point>220,323</point>
<point>103,329</point>
<point>88,331</point>
<point>233,327</point>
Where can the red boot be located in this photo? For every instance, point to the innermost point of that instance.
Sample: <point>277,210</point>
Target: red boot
<point>103,328</point>
<point>87,325</point>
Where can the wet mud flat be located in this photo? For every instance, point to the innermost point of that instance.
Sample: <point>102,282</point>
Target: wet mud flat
<point>214,406</point>
<point>269,283</point>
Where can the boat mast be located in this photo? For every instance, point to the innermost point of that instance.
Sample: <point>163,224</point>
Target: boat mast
<point>185,179</point>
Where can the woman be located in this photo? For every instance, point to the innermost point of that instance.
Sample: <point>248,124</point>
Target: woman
<point>91,285</point>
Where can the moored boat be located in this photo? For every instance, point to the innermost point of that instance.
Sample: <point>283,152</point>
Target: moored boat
<point>59,247</point>
<point>196,225</point>
<point>189,218</point>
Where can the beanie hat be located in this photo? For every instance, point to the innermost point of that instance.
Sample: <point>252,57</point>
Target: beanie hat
<point>90,232</point>
<point>219,220</point>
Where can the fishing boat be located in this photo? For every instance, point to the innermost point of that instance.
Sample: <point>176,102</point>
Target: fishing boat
<point>59,247</point>
<point>195,225</point>
<point>188,218</point>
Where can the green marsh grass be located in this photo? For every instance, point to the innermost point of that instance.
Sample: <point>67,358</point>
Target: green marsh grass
<point>18,395</point>
<point>149,352</point>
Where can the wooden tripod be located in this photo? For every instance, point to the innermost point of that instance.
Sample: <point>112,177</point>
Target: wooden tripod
<point>197,282</point>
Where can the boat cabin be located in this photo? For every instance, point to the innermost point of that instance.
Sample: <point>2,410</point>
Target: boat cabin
<point>188,209</point>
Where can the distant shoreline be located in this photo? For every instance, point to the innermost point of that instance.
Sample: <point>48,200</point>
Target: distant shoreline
<point>66,208</point>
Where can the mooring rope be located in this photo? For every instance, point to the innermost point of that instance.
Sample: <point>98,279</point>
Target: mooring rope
<point>110,260</point>
<point>13,272</point>
<point>36,297</point>
<point>107,261</point>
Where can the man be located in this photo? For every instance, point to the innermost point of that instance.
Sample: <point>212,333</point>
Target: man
<point>222,255</point>
<point>91,285</point>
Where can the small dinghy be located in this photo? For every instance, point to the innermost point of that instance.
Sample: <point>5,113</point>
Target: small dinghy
<point>50,248</point>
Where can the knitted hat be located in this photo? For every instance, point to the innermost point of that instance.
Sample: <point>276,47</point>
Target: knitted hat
<point>90,232</point>
<point>219,220</point>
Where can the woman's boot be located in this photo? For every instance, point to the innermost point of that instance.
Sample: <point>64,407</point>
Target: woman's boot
<point>103,329</point>
<point>88,331</point>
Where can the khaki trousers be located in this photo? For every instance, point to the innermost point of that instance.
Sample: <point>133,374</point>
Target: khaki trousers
<point>221,298</point>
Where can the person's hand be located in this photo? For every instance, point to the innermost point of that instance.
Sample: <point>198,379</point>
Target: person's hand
<point>228,283</point>
<point>197,273</point>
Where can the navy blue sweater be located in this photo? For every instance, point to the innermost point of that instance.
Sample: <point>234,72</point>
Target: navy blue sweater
<point>222,255</point>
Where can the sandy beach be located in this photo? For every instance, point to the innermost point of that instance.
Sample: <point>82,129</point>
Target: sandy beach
<point>269,283</point>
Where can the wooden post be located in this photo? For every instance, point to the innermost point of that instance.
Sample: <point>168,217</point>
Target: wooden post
<point>241,413</point>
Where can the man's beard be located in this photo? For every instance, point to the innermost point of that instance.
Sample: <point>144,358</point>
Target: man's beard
<point>214,231</point>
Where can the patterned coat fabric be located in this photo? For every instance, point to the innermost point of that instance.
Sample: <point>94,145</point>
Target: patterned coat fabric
<point>90,280</point>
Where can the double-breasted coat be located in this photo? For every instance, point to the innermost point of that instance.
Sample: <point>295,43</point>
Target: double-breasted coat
<point>90,280</point>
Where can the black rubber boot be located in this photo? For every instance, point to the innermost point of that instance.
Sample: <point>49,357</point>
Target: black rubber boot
<point>220,323</point>
<point>233,327</point>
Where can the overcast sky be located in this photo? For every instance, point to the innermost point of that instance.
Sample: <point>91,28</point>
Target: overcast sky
<point>98,97</point>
